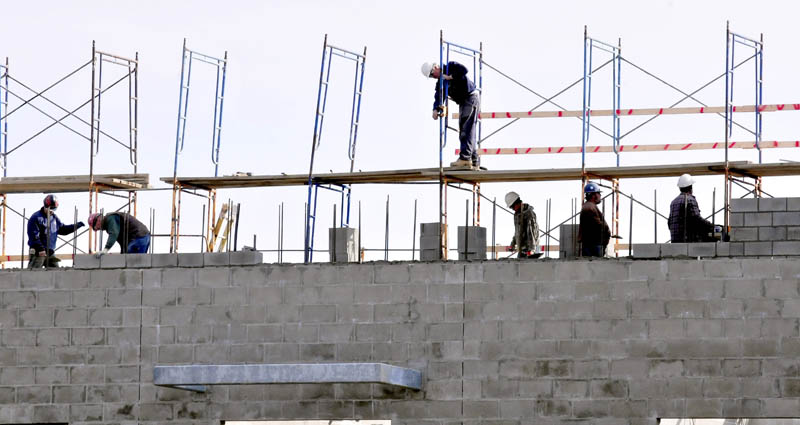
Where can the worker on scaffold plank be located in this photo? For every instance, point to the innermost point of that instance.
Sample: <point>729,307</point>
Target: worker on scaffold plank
<point>462,90</point>
<point>526,229</point>
<point>685,222</point>
<point>593,232</point>
<point>43,230</point>
<point>123,228</point>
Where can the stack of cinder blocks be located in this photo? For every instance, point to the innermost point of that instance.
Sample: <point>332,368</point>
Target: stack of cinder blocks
<point>766,226</point>
<point>429,248</point>
<point>471,243</point>
<point>568,241</point>
<point>343,244</point>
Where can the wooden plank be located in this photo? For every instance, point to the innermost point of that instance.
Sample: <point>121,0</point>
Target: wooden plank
<point>491,176</point>
<point>73,183</point>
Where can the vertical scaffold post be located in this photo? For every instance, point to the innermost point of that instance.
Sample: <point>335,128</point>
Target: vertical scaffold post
<point>442,143</point>
<point>728,77</point>
<point>328,52</point>
<point>92,140</point>
<point>3,116</point>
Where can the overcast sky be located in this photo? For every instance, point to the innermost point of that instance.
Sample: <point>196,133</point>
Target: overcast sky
<point>274,49</point>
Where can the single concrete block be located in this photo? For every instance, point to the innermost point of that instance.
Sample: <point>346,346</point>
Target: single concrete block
<point>786,248</point>
<point>757,248</point>
<point>343,244</point>
<point>429,242</point>
<point>647,250</point>
<point>138,261</point>
<point>194,259</point>
<point>429,228</point>
<point>112,261</point>
<point>741,234</point>
<point>216,258</point>
<point>737,220</point>
<point>786,218</point>
<point>744,205</point>
<point>702,249</point>
<point>771,233</point>
<point>86,261</point>
<point>674,250</point>
<point>772,204</point>
<point>471,243</point>
<point>730,249</point>
<point>164,260</point>
<point>793,204</point>
<point>246,258</point>
<point>793,233</point>
<point>568,241</point>
<point>430,255</point>
<point>753,219</point>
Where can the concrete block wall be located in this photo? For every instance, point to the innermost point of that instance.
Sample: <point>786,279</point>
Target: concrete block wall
<point>506,342</point>
<point>766,226</point>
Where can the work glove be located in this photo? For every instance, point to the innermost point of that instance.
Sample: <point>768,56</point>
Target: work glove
<point>435,114</point>
<point>101,253</point>
<point>79,225</point>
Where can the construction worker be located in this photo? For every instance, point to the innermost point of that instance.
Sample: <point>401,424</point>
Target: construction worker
<point>123,228</point>
<point>462,90</point>
<point>593,232</point>
<point>685,222</point>
<point>43,230</point>
<point>526,229</point>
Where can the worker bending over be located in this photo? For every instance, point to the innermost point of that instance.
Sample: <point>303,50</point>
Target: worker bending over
<point>685,222</point>
<point>462,90</point>
<point>123,228</point>
<point>43,230</point>
<point>526,229</point>
<point>593,232</point>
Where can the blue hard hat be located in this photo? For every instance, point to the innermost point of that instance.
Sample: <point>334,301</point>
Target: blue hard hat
<point>591,188</point>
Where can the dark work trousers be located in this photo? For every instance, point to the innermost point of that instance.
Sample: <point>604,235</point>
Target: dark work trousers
<point>593,251</point>
<point>467,126</point>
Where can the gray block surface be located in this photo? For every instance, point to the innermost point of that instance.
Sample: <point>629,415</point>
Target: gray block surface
<point>757,248</point>
<point>702,249</point>
<point>86,261</point>
<point>250,258</point>
<point>730,249</point>
<point>138,261</point>
<point>772,204</point>
<point>164,260</point>
<point>193,259</point>
<point>647,250</point>
<point>786,248</point>
<point>674,250</point>
<point>744,205</point>
<point>216,258</point>
<point>112,261</point>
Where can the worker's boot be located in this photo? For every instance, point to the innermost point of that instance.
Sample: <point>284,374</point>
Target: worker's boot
<point>462,163</point>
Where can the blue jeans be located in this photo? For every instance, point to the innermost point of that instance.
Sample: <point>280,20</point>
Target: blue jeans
<point>139,245</point>
<point>592,251</point>
<point>467,123</point>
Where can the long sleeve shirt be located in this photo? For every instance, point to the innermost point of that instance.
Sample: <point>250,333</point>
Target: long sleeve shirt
<point>39,238</point>
<point>122,228</point>
<point>458,88</point>
<point>685,222</point>
<point>593,229</point>
<point>526,230</point>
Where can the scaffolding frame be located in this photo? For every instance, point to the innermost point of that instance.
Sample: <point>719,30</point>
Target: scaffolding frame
<point>328,53</point>
<point>94,184</point>
<point>188,56</point>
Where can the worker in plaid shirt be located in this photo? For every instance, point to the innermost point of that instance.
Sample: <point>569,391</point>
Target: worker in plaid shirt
<point>685,222</point>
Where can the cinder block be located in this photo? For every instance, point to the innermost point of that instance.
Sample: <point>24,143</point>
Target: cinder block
<point>86,261</point>
<point>246,258</point>
<point>772,204</point>
<point>164,260</point>
<point>430,255</point>
<point>429,242</point>
<point>429,228</point>
<point>194,259</point>
<point>471,243</point>
<point>786,218</point>
<point>702,249</point>
<point>568,241</point>
<point>216,258</point>
<point>674,250</point>
<point>343,244</point>
<point>647,250</point>
<point>753,219</point>
<point>730,249</point>
<point>737,220</point>
<point>793,204</point>
<point>793,233</point>
<point>757,248</point>
<point>786,248</point>
<point>744,205</point>
<point>772,233</point>
<point>112,261</point>
<point>741,234</point>
<point>138,261</point>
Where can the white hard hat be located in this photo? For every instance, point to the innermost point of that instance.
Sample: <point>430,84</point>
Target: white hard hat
<point>685,180</point>
<point>426,68</point>
<point>511,197</point>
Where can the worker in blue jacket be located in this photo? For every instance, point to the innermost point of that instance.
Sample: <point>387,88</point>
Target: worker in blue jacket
<point>43,230</point>
<point>462,90</point>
